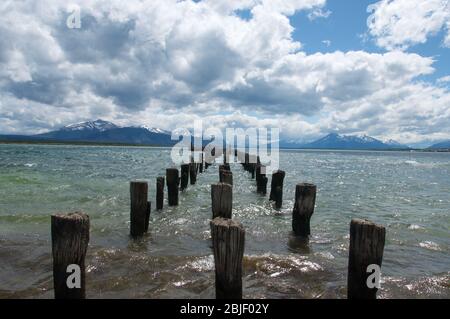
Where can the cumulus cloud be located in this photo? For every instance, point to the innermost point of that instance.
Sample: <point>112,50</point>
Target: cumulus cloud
<point>399,24</point>
<point>166,63</point>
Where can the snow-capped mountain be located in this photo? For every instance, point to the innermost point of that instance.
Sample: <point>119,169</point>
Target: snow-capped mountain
<point>101,131</point>
<point>395,144</point>
<point>338,141</point>
<point>98,125</point>
<point>155,130</point>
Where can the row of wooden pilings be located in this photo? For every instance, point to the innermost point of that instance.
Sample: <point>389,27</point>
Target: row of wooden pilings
<point>70,232</point>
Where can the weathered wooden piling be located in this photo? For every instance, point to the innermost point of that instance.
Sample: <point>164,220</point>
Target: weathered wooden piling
<point>185,171</point>
<point>202,160</point>
<point>140,208</point>
<point>221,200</point>
<point>261,179</point>
<point>172,180</point>
<point>159,192</point>
<point>70,238</point>
<point>366,248</point>
<point>225,167</point>
<point>261,186</point>
<point>305,199</point>
<point>228,239</point>
<point>193,173</point>
<point>226,176</point>
<point>276,188</point>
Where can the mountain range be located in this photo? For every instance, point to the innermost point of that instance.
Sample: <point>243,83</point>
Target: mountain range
<point>101,131</point>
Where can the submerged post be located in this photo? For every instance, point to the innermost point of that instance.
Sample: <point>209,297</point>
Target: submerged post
<point>140,208</point>
<point>172,180</point>
<point>276,189</point>
<point>228,239</point>
<point>159,193</point>
<point>70,238</point>
<point>305,199</point>
<point>185,169</point>
<point>222,200</point>
<point>366,248</point>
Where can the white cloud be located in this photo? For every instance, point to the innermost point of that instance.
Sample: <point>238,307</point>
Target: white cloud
<point>319,13</point>
<point>399,24</point>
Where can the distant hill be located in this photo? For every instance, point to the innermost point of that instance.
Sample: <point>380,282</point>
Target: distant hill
<point>441,146</point>
<point>348,142</point>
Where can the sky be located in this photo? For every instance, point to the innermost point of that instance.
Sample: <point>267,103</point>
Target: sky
<point>308,67</point>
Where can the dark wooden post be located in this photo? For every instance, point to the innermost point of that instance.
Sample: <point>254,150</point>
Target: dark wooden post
<point>140,208</point>
<point>366,248</point>
<point>222,200</point>
<point>261,180</point>
<point>201,162</point>
<point>70,238</point>
<point>225,167</point>
<point>185,169</point>
<point>172,180</point>
<point>226,177</point>
<point>193,172</point>
<point>305,199</point>
<point>228,239</point>
<point>276,189</point>
<point>159,193</point>
<point>261,186</point>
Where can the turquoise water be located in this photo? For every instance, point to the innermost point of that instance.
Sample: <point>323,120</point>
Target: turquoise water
<point>409,193</point>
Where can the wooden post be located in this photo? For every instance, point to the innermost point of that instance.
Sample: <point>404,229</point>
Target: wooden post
<point>225,167</point>
<point>226,177</point>
<point>185,169</point>
<point>261,180</point>
<point>222,200</point>
<point>276,189</point>
<point>201,162</point>
<point>228,239</point>
<point>140,208</point>
<point>159,193</point>
<point>70,238</point>
<point>193,173</point>
<point>172,180</point>
<point>305,199</point>
<point>366,248</point>
<point>261,186</point>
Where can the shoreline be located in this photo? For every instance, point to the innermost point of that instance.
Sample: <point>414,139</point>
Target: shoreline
<point>6,142</point>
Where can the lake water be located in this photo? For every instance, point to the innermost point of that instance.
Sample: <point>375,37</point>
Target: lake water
<point>408,193</point>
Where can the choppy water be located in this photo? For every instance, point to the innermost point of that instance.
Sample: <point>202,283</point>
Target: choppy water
<point>409,193</point>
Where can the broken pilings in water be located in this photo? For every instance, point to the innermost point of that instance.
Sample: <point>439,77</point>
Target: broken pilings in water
<point>221,200</point>
<point>366,249</point>
<point>140,208</point>
<point>159,192</point>
<point>305,200</point>
<point>172,180</point>
<point>276,188</point>
<point>228,239</point>
<point>70,238</point>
